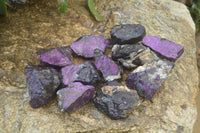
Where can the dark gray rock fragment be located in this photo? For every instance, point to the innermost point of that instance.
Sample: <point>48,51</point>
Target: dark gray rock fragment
<point>127,34</point>
<point>116,101</point>
<point>42,84</point>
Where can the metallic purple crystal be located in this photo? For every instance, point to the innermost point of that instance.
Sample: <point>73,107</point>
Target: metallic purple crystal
<point>107,66</point>
<point>74,96</point>
<point>85,73</point>
<point>86,45</point>
<point>60,56</point>
<point>42,84</point>
<point>148,78</point>
<point>164,47</point>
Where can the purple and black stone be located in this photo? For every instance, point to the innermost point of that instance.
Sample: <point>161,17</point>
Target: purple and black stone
<point>42,84</point>
<point>59,57</point>
<point>115,100</point>
<point>148,78</point>
<point>74,96</point>
<point>127,34</point>
<point>85,73</point>
<point>86,45</point>
<point>164,47</point>
<point>107,66</point>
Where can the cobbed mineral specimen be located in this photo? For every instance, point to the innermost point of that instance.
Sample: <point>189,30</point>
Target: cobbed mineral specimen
<point>42,84</point>
<point>115,100</point>
<point>86,45</point>
<point>85,73</point>
<point>148,78</point>
<point>164,47</point>
<point>74,96</point>
<point>60,56</point>
<point>132,56</point>
<point>107,66</point>
<point>127,34</point>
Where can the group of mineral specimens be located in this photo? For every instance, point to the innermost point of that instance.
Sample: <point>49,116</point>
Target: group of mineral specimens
<point>149,59</point>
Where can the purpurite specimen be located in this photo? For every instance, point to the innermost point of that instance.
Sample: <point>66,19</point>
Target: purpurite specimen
<point>42,83</point>
<point>86,45</point>
<point>127,34</point>
<point>164,47</point>
<point>107,66</point>
<point>60,56</point>
<point>85,73</point>
<point>74,96</point>
<point>115,100</point>
<point>148,78</point>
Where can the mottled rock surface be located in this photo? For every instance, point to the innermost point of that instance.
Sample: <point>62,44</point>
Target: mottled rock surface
<point>42,84</point>
<point>148,78</point>
<point>173,108</point>
<point>74,96</point>
<point>164,47</point>
<point>86,45</point>
<point>115,100</point>
<point>60,56</point>
<point>132,56</point>
<point>107,66</point>
<point>85,73</point>
<point>127,33</point>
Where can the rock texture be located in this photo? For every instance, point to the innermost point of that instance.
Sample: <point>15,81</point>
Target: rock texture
<point>148,78</point>
<point>42,84</point>
<point>85,73</point>
<point>86,45</point>
<point>115,100</point>
<point>173,108</point>
<point>74,96</point>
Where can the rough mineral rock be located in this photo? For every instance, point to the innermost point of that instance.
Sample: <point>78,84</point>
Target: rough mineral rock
<point>86,45</point>
<point>132,56</point>
<point>107,66</point>
<point>173,109</point>
<point>116,101</point>
<point>42,84</point>
<point>148,78</point>
<point>164,47</point>
<point>60,56</point>
<point>74,96</point>
<point>127,33</point>
<point>85,73</point>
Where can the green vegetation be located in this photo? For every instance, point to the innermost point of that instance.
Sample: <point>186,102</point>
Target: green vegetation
<point>62,6</point>
<point>195,13</point>
<point>93,10</point>
<point>3,8</point>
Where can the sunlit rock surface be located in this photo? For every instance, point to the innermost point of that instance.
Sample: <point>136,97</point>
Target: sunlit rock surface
<point>173,108</point>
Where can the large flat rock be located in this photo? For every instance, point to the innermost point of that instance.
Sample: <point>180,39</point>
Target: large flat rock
<point>173,107</point>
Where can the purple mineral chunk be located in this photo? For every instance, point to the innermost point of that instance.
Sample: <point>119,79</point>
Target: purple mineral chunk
<point>74,96</point>
<point>127,34</point>
<point>148,78</point>
<point>164,47</point>
<point>115,100</point>
<point>60,56</point>
<point>86,45</point>
<point>85,73</point>
<point>42,84</point>
<point>107,66</point>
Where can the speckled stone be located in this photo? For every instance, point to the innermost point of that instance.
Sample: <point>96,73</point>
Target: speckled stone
<point>166,48</point>
<point>127,33</point>
<point>60,56</point>
<point>148,78</point>
<point>85,73</point>
<point>115,100</point>
<point>74,96</point>
<point>86,45</point>
<point>107,66</point>
<point>42,84</point>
